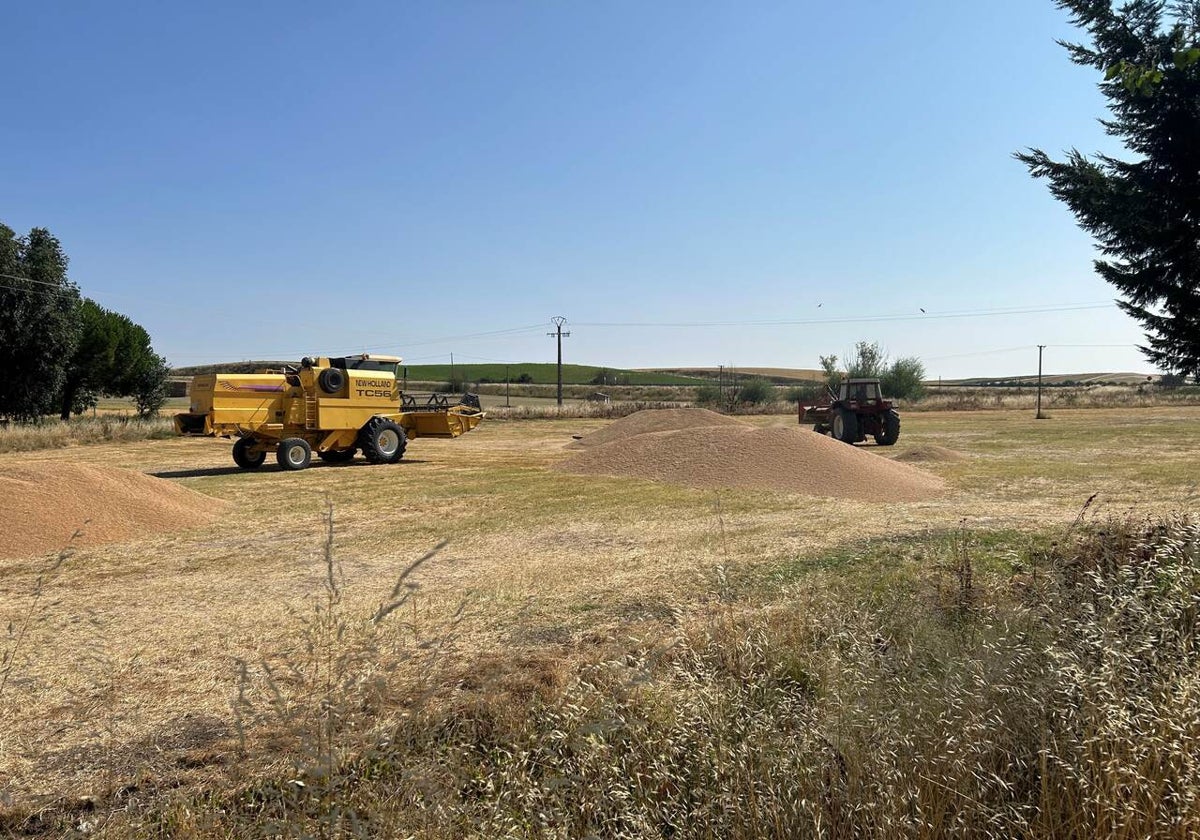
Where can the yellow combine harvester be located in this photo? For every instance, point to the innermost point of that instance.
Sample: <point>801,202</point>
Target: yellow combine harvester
<point>331,406</point>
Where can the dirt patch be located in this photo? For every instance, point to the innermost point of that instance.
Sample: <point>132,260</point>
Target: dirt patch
<point>930,452</point>
<point>778,458</point>
<point>45,503</point>
<point>657,420</point>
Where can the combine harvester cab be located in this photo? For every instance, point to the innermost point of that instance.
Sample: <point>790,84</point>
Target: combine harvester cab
<point>331,406</point>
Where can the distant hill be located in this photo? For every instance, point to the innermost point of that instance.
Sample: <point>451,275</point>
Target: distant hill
<point>537,373</point>
<point>1056,379</point>
<point>544,374</point>
<point>781,376</point>
<point>230,367</point>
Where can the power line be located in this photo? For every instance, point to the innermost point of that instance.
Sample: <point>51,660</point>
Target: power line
<point>54,287</point>
<point>509,331</point>
<point>854,320</point>
<point>31,280</point>
<point>976,353</point>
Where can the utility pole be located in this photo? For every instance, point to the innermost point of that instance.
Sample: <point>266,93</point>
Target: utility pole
<point>507,379</point>
<point>1039,415</point>
<point>558,322</point>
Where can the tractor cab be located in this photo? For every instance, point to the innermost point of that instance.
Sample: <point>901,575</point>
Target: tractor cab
<point>861,392</point>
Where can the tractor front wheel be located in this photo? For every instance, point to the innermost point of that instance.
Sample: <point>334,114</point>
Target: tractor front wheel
<point>244,458</point>
<point>294,453</point>
<point>845,425</point>
<point>382,441</point>
<point>891,429</point>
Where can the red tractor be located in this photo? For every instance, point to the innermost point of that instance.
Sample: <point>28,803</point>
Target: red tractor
<point>857,410</point>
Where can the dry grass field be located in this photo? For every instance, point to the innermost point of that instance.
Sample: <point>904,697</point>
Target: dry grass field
<point>125,667</point>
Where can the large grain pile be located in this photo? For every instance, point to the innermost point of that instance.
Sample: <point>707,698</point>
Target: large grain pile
<point>739,455</point>
<point>45,503</point>
<point>657,420</point>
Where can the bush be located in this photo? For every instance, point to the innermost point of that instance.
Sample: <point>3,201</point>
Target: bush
<point>604,376</point>
<point>709,395</point>
<point>904,379</point>
<point>756,392</point>
<point>524,378</point>
<point>804,393</point>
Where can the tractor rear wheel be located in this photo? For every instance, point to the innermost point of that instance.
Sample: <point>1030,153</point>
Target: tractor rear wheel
<point>845,425</point>
<point>891,429</point>
<point>244,458</point>
<point>337,456</point>
<point>382,441</point>
<point>294,453</point>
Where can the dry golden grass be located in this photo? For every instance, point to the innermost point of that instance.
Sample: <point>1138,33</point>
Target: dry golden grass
<point>128,667</point>
<point>53,434</point>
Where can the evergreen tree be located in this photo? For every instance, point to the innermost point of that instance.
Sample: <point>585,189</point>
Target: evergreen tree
<point>39,324</point>
<point>1144,212</point>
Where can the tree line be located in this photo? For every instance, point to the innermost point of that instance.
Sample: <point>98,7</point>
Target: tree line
<point>902,378</point>
<point>59,351</point>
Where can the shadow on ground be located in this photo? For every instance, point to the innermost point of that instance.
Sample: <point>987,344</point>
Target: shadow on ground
<point>203,472</point>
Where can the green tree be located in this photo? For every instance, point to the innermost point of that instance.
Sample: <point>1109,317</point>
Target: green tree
<point>149,385</point>
<point>905,379</point>
<point>91,364</point>
<point>114,356</point>
<point>1144,212</point>
<point>39,322</point>
<point>833,376</point>
<point>867,361</point>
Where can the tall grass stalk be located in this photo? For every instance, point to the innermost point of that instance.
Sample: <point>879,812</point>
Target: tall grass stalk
<point>1065,707</point>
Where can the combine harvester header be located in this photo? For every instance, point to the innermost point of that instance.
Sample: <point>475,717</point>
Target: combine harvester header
<point>331,406</point>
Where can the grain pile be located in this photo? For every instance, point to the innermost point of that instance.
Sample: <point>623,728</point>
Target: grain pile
<point>657,420</point>
<point>45,503</point>
<point>736,454</point>
<point>930,452</point>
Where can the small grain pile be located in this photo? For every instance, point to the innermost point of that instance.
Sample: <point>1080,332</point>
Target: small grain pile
<point>735,454</point>
<point>45,503</point>
<point>930,452</point>
<point>657,420</point>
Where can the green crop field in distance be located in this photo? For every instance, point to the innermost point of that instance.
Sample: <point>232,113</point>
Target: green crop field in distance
<point>545,374</point>
<point>541,373</point>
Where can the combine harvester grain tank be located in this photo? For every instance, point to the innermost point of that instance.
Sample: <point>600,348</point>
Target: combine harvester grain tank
<point>331,406</point>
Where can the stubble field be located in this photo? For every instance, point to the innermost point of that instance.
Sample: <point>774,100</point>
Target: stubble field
<point>127,664</point>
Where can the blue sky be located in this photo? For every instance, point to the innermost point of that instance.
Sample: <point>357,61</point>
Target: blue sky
<point>270,180</point>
